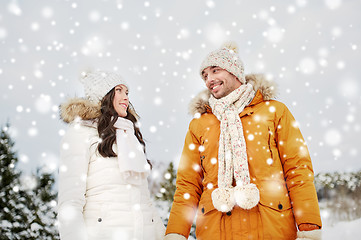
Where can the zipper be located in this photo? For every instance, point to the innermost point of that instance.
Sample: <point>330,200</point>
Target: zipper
<point>202,157</point>
<point>269,142</point>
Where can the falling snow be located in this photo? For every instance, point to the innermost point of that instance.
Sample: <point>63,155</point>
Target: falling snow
<point>158,48</point>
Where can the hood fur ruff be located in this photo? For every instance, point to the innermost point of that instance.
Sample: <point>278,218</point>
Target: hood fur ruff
<point>76,108</point>
<point>268,89</point>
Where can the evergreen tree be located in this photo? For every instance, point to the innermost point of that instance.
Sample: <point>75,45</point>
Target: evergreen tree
<point>11,196</point>
<point>167,187</point>
<point>41,203</point>
<point>26,212</point>
<point>166,194</point>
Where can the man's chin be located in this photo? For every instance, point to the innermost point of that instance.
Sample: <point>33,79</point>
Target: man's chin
<point>216,96</point>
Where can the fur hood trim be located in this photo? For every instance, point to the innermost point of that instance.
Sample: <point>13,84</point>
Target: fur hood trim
<point>79,108</point>
<point>199,104</point>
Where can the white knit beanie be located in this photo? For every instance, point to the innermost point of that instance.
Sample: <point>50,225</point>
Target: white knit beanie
<point>226,58</point>
<point>97,84</point>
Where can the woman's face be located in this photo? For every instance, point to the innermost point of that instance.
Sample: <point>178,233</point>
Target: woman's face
<point>121,100</point>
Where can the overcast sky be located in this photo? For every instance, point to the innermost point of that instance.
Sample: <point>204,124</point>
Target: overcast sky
<point>310,48</point>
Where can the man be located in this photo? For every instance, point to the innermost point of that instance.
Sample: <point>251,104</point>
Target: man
<point>245,169</point>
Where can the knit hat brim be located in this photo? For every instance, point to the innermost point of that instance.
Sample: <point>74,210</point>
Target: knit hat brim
<point>225,58</point>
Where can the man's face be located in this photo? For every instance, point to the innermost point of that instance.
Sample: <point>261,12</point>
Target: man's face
<point>219,81</point>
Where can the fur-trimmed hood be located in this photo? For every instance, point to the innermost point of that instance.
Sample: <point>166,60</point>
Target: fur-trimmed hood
<point>79,108</point>
<point>267,88</point>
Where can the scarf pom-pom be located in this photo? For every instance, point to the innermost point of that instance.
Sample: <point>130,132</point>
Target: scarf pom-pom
<point>223,199</point>
<point>246,196</point>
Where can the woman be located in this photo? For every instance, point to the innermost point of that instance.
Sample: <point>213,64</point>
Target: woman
<point>103,187</point>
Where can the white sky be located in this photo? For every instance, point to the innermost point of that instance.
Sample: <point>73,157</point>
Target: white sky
<point>310,48</point>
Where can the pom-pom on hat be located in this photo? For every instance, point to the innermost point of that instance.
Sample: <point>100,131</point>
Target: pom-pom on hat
<point>227,58</point>
<point>98,83</point>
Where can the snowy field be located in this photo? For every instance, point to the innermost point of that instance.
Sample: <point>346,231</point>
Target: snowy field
<point>343,230</point>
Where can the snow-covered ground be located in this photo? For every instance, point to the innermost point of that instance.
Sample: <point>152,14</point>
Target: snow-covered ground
<point>343,230</point>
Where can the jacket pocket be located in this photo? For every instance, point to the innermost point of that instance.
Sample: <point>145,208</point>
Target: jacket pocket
<point>95,218</point>
<point>205,204</point>
<point>208,218</point>
<point>274,195</point>
<point>276,212</point>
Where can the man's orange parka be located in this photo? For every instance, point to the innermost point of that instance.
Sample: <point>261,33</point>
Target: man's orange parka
<point>279,164</point>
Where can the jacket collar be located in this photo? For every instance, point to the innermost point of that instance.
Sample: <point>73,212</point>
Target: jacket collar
<point>265,90</point>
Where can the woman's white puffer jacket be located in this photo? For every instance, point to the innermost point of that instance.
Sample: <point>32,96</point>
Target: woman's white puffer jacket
<point>94,201</point>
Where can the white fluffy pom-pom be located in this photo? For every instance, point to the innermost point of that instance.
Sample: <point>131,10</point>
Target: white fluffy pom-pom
<point>231,46</point>
<point>246,196</point>
<point>223,199</point>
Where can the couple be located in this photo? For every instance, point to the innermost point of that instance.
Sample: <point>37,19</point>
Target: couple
<point>245,170</point>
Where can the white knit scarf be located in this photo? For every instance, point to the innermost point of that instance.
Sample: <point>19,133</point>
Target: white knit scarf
<point>131,158</point>
<point>232,154</point>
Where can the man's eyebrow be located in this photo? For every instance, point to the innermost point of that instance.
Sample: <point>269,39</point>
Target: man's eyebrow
<point>212,67</point>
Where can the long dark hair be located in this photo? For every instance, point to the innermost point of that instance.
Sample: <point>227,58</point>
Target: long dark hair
<point>106,129</point>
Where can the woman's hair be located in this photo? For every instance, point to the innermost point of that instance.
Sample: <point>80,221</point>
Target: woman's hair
<point>106,129</point>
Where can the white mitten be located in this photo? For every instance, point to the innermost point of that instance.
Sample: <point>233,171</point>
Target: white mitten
<point>174,236</point>
<point>309,235</point>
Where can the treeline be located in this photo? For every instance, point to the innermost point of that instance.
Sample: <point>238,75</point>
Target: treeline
<point>339,194</point>
<point>338,184</point>
<point>27,202</point>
